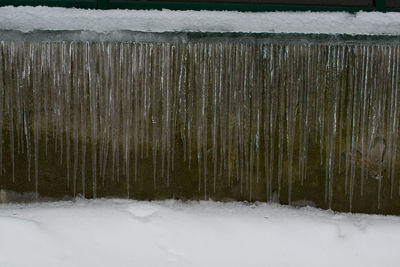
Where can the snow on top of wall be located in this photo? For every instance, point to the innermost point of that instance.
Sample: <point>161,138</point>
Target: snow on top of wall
<point>27,19</point>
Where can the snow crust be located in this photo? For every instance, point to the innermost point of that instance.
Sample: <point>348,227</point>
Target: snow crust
<point>47,18</point>
<point>173,233</point>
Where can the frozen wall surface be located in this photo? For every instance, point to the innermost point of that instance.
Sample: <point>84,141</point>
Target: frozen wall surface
<point>268,117</point>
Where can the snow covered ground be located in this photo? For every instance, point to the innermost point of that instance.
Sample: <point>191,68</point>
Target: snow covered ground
<point>173,233</point>
<point>45,18</point>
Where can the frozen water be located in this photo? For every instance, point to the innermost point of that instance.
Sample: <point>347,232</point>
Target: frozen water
<point>228,102</point>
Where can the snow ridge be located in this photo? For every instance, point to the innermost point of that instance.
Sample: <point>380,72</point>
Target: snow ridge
<point>27,19</point>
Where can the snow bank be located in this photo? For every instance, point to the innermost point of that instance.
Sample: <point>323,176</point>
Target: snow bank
<point>45,18</point>
<point>171,233</point>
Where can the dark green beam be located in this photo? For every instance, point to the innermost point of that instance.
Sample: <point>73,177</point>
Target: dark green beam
<point>103,4</point>
<point>379,5</point>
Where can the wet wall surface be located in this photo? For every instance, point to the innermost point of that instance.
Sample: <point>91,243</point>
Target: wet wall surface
<point>357,3</point>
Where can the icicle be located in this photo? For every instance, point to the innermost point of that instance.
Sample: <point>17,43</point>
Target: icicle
<point>37,88</point>
<point>2,96</point>
<point>10,106</point>
<point>215,102</point>
<point>235,104</point>
<point>203,112</point>
<point>291,91</point>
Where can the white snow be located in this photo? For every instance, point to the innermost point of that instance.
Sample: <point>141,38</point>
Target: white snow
<point>173,233</point>
<point>46,18</point>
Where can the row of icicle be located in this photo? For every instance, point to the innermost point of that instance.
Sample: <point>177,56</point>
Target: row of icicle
<point>244,108</point>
